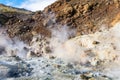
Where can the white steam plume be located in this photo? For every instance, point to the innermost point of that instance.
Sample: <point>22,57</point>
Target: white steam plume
<point>87,48</point>
<point>11,47</point>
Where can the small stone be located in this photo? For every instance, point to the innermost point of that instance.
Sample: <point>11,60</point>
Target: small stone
<point>92,79</point>
<point>52,57</point>
<point>96,42</point>
<point>69,65</point>
<point>68,9</point>
<point>84,77</point>
<point>17,58</point>
<point>94,62</point>
<point>57,65</point>
<point>48,50</point>
<point>86,8</point>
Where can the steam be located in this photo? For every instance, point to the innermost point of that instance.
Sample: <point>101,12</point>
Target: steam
<point>94,49</point>
<point>11,47</point>
<point>91,48</point>
<point>100,46</point>
<point>60,34</point>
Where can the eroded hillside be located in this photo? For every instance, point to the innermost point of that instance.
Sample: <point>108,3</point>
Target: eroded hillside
<point>86,16</point>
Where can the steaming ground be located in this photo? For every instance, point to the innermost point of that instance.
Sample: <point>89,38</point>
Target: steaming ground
<point>88,57</point>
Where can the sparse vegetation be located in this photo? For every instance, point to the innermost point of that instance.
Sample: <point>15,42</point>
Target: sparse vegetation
<point>4,8</point>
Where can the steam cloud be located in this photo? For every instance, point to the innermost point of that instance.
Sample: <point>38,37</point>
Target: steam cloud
<point>83,48</point>
<point>11,47</point>
<point>79,49</point>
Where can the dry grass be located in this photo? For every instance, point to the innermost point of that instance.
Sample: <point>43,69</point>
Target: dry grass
<point>4,8</point>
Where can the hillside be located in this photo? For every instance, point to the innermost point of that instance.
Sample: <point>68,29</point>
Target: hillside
<point>4,8</point>
<point>86,16</point>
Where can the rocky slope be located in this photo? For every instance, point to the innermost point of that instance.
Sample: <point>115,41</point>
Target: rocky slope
<point>86,16</point>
